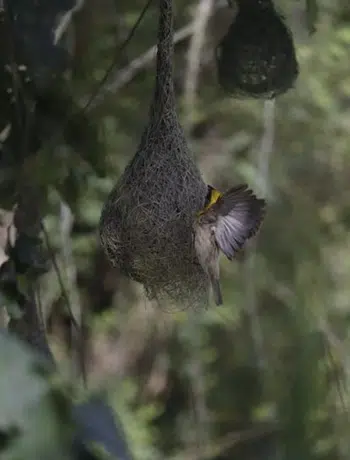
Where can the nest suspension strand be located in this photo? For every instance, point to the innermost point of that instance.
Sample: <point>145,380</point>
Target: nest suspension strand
<point>256,58</point>
<point>146,222</point>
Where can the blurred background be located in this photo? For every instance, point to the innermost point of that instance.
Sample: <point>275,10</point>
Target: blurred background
<point>265,376</point>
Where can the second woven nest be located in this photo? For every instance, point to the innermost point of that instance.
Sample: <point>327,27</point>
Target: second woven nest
<point>256,58</point>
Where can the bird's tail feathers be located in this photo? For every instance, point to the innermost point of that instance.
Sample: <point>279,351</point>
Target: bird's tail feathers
<point>217,294</point>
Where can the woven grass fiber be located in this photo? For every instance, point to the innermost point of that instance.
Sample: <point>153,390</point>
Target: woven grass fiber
<point>256,58</point>
<point>146,222</point>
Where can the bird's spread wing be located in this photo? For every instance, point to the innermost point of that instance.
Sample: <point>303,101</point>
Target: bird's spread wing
<point>239,216</point>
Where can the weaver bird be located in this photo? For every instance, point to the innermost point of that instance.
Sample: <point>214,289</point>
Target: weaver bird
<point>227,221</point>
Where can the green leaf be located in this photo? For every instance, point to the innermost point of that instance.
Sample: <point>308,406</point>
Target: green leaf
<point>31,423</point>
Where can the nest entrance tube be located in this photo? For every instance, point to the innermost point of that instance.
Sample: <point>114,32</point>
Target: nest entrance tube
<point>146,222</point>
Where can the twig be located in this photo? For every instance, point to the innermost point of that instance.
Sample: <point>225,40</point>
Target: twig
<point>95,95</point>
<point>266,147</point>
<point>66,298</point>
<point>66,20</point>
<point>122,77</point>
<point>88,103</point>
<point>201,17</point>
<point>198,393</point>
<point>262,160</point>
<point>231,440</point>
<point>77,335</point>
<point>64,292</point>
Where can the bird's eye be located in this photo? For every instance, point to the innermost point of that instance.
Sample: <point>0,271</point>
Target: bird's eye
<point>208,195</point>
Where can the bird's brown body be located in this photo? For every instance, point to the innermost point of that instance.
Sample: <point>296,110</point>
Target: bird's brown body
<point>208,255</point>
<point>226,223</point>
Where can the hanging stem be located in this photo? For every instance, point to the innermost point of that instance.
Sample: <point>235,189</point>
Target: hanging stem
<point>201,17</point>
<point>164,98</point>
<point>262,159</point>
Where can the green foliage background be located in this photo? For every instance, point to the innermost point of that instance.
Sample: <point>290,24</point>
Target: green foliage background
<point>266,376</point>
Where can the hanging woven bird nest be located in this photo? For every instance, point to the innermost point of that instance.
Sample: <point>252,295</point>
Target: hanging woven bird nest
<point>146,222</point>
<point>256,58</point>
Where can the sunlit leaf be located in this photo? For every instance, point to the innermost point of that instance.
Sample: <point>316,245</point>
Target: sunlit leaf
<point>28,407</point>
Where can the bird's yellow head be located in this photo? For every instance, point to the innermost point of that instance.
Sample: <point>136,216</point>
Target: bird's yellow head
<point>212,197</point>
